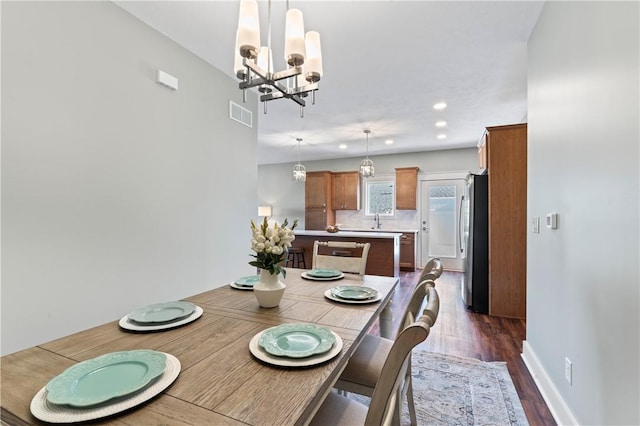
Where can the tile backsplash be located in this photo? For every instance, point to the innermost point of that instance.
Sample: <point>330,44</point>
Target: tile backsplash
<point>403,219</point>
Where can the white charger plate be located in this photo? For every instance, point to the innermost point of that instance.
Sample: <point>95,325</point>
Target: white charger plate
<point>297,340</point>
<point>324,273</point>
<point>354,292</point>
<point>311,277</point>
<point>240,287</point>
<point>162,312</point>
<point>330,296</point>
<point>248,281</point>
<point>129,325</point>
<point>257,351</point>
<point>53,413</point>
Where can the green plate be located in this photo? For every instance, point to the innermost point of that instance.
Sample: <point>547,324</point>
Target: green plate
<point>324,273</point>
<point>297,340</point>
<point>162,312</point>
<point>354,292</point>
<point>105,377</point>
<point>249,281</point>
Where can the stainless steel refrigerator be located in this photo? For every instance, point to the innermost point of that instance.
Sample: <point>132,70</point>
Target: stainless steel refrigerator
<point>475,243</point>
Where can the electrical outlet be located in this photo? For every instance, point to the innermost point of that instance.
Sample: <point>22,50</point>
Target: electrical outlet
<point>568,370</point>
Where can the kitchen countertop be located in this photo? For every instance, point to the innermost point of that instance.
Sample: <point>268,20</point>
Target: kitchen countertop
<point>382,233</point>
<point>403,231</point>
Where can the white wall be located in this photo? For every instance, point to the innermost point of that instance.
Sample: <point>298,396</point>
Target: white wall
<point>116,191</point>
<point>276,187</point>
<point>582,279</point>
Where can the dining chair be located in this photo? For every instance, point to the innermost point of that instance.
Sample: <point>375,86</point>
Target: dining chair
<point>384,408</point>
<point>414,305</point>
<point>350,264</point>
<point>367,362</point>
<point>432,270</point>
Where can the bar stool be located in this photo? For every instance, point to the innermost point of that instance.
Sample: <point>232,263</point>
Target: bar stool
<point>295,258</point>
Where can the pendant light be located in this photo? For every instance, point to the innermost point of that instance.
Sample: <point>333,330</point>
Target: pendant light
<point>299,171</point>
<point>366,166</point>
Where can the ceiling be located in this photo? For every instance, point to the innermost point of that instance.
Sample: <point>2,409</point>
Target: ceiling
<point>386,63</point>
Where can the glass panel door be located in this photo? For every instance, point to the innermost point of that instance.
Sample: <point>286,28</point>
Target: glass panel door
<point>440,218</point>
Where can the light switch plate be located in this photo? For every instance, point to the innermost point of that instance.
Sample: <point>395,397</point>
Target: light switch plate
<point>535,225</point>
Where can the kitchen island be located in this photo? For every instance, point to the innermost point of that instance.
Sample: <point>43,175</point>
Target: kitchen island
<point>408,247</point>
<point>384,254</point>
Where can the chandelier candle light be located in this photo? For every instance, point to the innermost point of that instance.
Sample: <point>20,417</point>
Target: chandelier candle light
<point>366,166</point>
<point>299,171</point>
<point>254,63</point>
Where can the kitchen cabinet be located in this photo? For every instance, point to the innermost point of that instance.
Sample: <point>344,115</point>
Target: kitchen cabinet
<point>317,189</point>
<point>345,191</point>
<point>317,199</point>
<point>505,148</point>
<point>318,219</point>
<point>408,251</point>
<point>406,188</point>
<point>482,154</point>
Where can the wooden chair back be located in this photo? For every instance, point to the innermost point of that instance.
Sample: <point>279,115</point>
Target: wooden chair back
<point>384,401</point>
<point>418,299</point>
<point>352,264</point>
<point>432,270</point>
<point>433,305</point>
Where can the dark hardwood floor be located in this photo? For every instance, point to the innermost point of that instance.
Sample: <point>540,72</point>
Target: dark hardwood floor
<point>461,332</point>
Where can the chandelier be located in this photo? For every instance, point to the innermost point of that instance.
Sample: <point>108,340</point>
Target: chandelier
<point>299,171</point>
<point>366,165</point>
<point>254,63</point>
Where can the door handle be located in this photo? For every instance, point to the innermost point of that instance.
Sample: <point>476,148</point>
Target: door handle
<point>460,230</point>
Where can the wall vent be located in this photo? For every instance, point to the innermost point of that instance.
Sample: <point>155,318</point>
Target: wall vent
<point>240,114</point>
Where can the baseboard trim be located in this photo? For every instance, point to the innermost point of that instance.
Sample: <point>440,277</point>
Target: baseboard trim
<point>558,407</point>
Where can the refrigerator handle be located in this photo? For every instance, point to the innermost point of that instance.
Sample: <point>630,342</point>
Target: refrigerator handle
<point>460,226</point>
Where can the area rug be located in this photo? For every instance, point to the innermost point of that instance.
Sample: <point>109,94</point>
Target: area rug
<point>450,390</point>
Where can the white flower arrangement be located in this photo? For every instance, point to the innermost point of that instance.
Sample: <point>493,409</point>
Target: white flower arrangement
<point>271,245</point>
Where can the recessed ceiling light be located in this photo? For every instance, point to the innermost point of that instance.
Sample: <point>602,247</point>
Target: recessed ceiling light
<point>441,136</point>
<point>343,146</point>
<point>441,123</point>
<point>389,141</point>
<point>440,106</point>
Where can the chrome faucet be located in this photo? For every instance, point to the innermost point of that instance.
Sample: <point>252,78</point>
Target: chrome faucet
<point>376,218</point>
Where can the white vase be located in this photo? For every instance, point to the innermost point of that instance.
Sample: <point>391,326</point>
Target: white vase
<point>269,289</point>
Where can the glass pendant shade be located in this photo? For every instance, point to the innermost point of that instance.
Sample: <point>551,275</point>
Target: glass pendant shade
<point>366,168</point>
<point>248,29</point>
<point>313,61</point>
<point>294,49</point>
<point>265,59</point>
<point>238,67</point>
<point>299,173</point>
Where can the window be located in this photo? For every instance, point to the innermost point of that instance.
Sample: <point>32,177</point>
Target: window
<point>380,198</point>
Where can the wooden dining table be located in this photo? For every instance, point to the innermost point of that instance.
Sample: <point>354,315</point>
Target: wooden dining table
<point>220,381</point>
